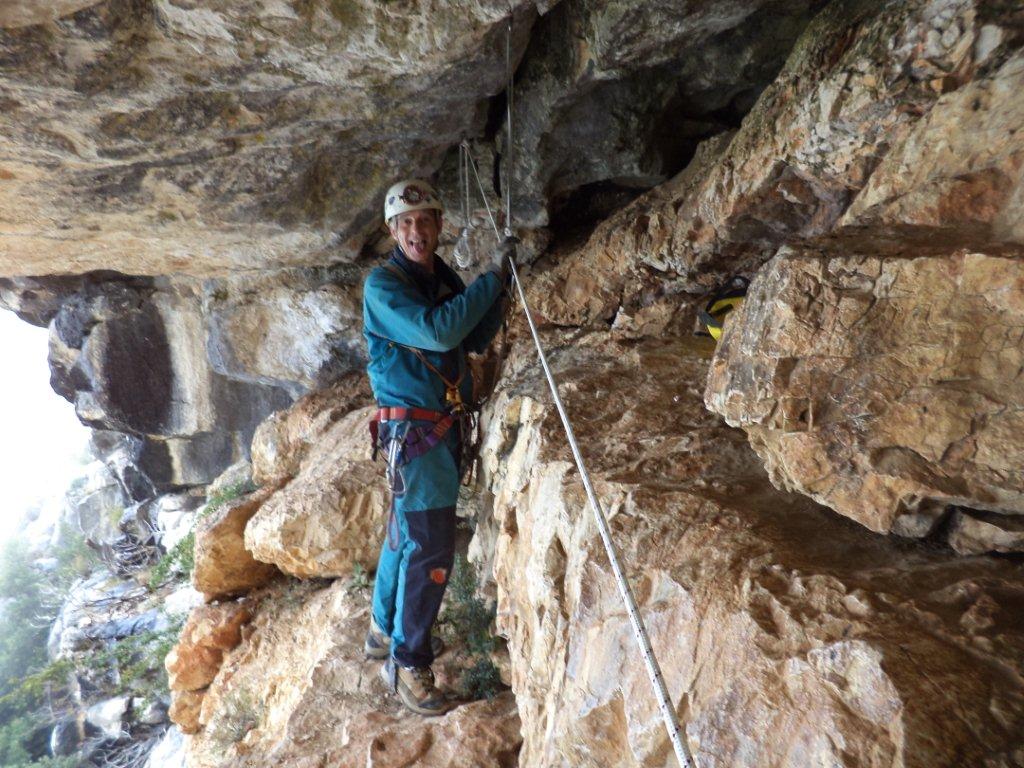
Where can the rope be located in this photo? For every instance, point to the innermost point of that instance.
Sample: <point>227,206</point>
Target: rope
<point>483,195</point>
<point>508,121</point>
<point>675,734</point>
<point>639,630</point>
<point>668,714</point>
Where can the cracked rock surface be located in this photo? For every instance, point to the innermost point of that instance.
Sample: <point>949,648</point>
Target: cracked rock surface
<point>881,376</point>
<point>788,636</point>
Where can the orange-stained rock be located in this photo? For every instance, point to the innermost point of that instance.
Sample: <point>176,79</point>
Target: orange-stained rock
<point>184,710</point>
<point>282,441</point>
<point>209,632</point>
<point>223,566</point>
<point>903,113</point>
<point>962,165</point>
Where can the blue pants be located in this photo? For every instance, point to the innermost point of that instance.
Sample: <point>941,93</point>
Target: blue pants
<point>412,574</point>
<point>417,555</point>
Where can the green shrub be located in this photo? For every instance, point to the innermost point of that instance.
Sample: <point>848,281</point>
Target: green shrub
<point>466,621</point>
<point>13,735</point>
<point>360,579</point>
<point>24,693</point>
<point>481,681</point>
<point>140,661</point>
<point>181,557</point>
<point>221,497</point>
<point>238,715</point>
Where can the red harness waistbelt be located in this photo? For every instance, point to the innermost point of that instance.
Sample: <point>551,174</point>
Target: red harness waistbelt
<point>401,414</point>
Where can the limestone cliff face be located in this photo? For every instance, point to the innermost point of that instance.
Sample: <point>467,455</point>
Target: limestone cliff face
<point>793,505</point>
<point>252,135</point>
<point>788,636</point>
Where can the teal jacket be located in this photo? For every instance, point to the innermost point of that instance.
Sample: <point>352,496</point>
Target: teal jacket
<point>438,315</point>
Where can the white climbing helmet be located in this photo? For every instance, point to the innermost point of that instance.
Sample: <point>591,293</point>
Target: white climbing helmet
<point>410,195</point>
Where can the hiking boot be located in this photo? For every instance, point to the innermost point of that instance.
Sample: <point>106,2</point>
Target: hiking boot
<point>415,687</point>
<point>378,645</point>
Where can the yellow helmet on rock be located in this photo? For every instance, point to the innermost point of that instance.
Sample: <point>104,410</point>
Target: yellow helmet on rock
<point>410,195</point>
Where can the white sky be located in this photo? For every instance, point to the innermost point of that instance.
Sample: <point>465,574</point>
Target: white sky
<point>41,440</point>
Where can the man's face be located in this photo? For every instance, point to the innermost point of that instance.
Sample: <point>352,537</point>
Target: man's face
<point>417,233</point>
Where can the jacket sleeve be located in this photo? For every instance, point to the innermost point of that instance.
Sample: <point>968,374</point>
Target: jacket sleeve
<point>478,338</point>
<point>396,311</point>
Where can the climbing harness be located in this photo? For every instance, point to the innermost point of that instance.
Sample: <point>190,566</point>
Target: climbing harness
<point>675,733</point>
<point>725,300</point>
<point>401,442</point>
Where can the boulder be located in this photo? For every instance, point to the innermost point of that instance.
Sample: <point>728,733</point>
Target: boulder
<point>223,566</point>
<point>975,533</point>
<point>282,441</point>
<point>109,716</point>
<point>184,711</point>
<point>787,636</point>
<point>879,375</point>
<point>331,516</point>
<point>209,632</point>
<point>299,688</point>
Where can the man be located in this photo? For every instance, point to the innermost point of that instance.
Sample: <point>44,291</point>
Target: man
<point>419,321</point>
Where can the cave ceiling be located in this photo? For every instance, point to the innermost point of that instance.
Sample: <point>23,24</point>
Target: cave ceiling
<point>158,137</point>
